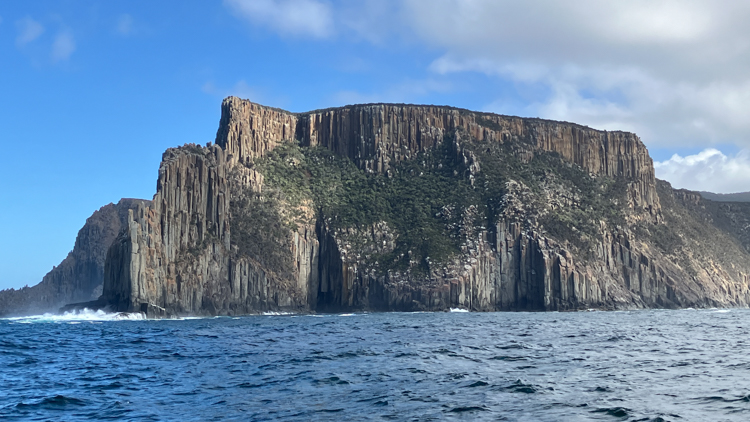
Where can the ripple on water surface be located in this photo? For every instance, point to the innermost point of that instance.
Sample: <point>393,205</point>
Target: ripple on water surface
<point>635,366</point>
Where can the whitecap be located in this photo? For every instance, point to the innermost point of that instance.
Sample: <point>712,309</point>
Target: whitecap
<point>459,310</point>
<point>78,316</point>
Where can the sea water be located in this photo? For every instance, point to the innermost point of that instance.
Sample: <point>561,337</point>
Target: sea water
<point>683,365</point>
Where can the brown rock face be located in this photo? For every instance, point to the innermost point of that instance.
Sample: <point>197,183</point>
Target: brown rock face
<point>178,255</point>
<point>376,135</point>
<point>175,256</point>
<point>79,276</point>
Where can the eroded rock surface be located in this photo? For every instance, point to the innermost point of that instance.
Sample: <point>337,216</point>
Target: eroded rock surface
<point>79,276</point>
<point>545,244</point>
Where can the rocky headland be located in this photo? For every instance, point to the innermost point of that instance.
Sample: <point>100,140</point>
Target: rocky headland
<point>392,207</point>
<point>80,275</point>
<point>389,207</point>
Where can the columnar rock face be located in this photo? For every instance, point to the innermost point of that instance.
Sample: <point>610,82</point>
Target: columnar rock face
<point>79,276</point>
<point>376,135</point>
<point>175,255</point>
<point>178,255</point>
<point>526,270</point>
<point>248,130</point>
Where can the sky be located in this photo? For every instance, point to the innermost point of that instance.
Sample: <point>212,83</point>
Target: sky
<point>93,92</point>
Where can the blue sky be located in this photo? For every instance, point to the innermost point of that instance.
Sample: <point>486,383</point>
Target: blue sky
<point>94,91</point>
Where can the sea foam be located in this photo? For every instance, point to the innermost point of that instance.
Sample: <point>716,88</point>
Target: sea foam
<point>78,316</point>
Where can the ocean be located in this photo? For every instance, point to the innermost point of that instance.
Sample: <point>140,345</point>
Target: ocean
<point>651,365</point>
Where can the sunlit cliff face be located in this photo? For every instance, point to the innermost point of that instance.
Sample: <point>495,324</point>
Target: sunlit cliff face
<point>398,207</point>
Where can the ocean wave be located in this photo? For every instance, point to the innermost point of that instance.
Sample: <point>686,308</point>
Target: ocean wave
<point>530,366</point>
<point>74,317</point>
<point>459,310</point>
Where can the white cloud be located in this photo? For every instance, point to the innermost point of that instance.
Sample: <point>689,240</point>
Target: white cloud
<point>710,170</point>
<point>646,22</point>
<point>63,46</point>
<point>28,31</point>
<point>676,72</point>
<point>288,17</point>
<point>125,24</point>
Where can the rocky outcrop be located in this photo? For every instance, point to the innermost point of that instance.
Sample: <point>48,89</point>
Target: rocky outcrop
<point>79,276</point>
<point>726,197</point>
<point>526,270</point>
<point>187,252</point>
<point>175,255</point>
<point>376,135</point>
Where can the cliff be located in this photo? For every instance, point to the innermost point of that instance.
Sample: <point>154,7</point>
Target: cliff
<point>80,275</point>
<point>403,207</point>
<point>726,197</point>
<point>376,135</point>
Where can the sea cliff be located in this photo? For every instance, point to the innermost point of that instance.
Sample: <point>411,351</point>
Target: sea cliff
<point>80,275</point>
<point>392,207</point>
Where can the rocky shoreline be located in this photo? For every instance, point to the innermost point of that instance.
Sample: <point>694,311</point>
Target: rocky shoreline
<point>392,207</point>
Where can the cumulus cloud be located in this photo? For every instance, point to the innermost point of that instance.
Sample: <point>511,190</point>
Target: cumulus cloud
<point>710,170</point>
<point>677,72</point>
<point>63,46</point>
<point>28,31</point>
<point>288,17</point>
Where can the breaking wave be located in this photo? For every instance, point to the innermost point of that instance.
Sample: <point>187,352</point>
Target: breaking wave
<point>84,315</point>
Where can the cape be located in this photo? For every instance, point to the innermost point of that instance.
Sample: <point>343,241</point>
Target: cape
<point>80,275</point>
<point>393,207</point>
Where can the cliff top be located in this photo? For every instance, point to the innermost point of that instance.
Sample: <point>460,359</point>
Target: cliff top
<point>726,197</point>
<point>441,107</point>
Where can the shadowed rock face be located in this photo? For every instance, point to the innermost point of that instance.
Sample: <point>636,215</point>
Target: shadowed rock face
<point>79,276</point>
<point>182,254</point>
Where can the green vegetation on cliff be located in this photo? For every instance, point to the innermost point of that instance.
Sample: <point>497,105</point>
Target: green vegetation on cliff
<point>259,231</point>
<point>435,201</point>
<point>413,199</point>
<point>695,230</point>
<point>570,203</point>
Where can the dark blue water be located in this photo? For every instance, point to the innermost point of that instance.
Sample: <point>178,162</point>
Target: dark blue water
<point>647,365</point>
